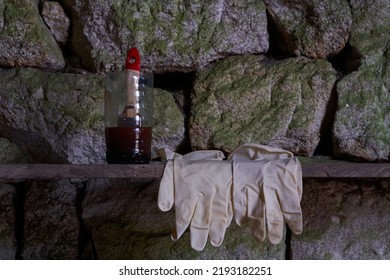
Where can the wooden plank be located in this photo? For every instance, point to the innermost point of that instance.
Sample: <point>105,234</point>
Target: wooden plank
<point>80,171</point>
<point>346,170</point>
<point>155,170</point>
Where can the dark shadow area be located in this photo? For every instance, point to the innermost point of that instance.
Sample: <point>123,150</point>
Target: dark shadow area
<point>86,248</point>
<point>174,81</point>
<point>347,60</point>
<point>278,40</point>
<point>288,255</point>
<point>325,146</point>
<point>19,202</point>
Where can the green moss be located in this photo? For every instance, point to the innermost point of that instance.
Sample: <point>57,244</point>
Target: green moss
<point>328,256</point>
<point>22,19</point>
<point>178,26</point>
<point>316,72</point>
<point>257,100</point>
<point>167,116</point>
<point>24,27</point>
<point>370,31</point>
<point>363,106</point>
<point>60,99</point>
<point>11,153</point>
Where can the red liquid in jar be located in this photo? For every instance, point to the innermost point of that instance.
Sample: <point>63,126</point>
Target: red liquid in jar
<point>128,144</point>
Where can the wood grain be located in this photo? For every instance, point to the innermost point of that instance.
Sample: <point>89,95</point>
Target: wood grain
<point>155,170</point>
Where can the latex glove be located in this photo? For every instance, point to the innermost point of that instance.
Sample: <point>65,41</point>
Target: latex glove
<point>267,190</point>
<point>199,185</point>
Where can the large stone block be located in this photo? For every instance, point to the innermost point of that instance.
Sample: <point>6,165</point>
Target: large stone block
<point>124,222</point>
<point>25,41</point>
<point>51,224</point>
<point>53,117</point>
<point>254,99</point>
<point>313,28</point>
<point>370,34</point>
<point>344,220</point>
<point>362,124</point>
<point>56,20</point>
<point>171,35</point>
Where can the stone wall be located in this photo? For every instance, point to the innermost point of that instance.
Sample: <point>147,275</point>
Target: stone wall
<point>311,76</point>
<point>119,219</point>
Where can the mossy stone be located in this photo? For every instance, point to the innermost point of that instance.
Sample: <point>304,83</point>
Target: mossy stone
<point>11,153</point>
<point>53,117</point>
<point>346,220</point>
<point>168,130</point>
<point>140,230</point>
<point>362,124</point>
<point>254,99</point>
<point>25,40</point>
<point>314,28</point>
<point>180,35</point>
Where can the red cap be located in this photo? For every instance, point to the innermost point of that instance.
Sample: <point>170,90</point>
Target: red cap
<point>133,60</point>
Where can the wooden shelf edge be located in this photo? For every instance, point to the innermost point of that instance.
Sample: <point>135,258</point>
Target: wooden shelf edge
<point>80,171</point>
<point>346,170</point>
<point>155,170</point>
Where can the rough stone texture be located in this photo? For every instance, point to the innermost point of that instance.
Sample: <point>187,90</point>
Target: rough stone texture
<point>8,243</point>
<point>313,28</point>
<point>168,131</point>
<point>344,220</point>
<point>51,225</point>
<point>56,20</point>
<point>11,153</point>
<point>61,115</point>
<point>254,99</point>
<point>362,125</point>
<point>125,223</point>
<point>179,35</point>
<point>370,34</point>
<point>25,41</point>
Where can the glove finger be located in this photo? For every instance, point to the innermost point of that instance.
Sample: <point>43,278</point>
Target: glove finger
<point>274,215</point>
<point>258,229</point>
<point>198,238</point>
<point>184,212</point>
<point>240,204</point>
<point>239,198</point>
<point>291,209</point>
<point>256,213</point>
<point>289,197</point>
<point>222,211</point>
<point>217,231</point>
<point>290,174</point>
<point>295,222</point>
<point>200,222</point>
<point>166,190</point>
<point>221,217</point>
